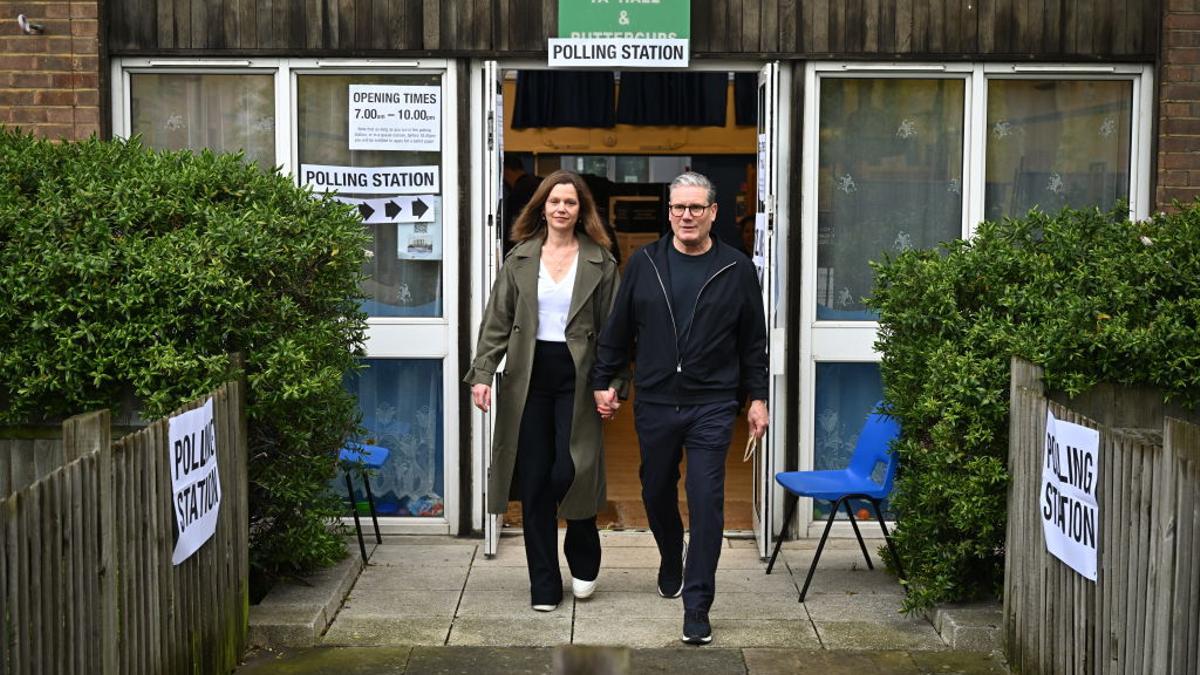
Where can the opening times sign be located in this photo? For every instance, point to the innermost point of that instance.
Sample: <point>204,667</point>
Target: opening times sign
<point>622,34</point>
<point>1070,512</point>
<point>391,117</point>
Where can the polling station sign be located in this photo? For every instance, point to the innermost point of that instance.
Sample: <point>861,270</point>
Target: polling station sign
<point>374,180</point>
<point>392,117</point>
<point>618,53</point>
<point>195,481</point>
<point>1070,512</point>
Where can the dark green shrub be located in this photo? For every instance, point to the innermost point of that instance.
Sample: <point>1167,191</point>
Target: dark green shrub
<point>1087,295</point>
<point>127,272</point>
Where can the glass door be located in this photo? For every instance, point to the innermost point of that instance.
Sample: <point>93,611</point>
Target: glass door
<point>381,139</point>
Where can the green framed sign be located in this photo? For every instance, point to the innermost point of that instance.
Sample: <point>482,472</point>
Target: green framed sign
<point>624,18</point>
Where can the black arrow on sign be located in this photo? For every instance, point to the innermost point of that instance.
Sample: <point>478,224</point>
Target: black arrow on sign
<point>390,209</point>
<point>419,207</point>
<point>366,210</point>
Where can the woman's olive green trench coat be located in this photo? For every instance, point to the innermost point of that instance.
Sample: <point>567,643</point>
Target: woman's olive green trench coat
<point>509,327</point>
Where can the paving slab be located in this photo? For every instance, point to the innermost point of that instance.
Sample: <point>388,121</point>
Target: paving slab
<point>791,661</point>
<point>320,661</point>
<point>296,611</point>
<point>513,603</point>
<point>480,661</point>
<point>758,606</point>
<point>867,608</point>
<point>485,577</point>
<point>396,578</point>
<point>756,581</point>
<point>413,556</point>
<point>706,661</point>
<point>510,631</point>
<point>386,631</point>
<point>964,662</point>
<point>799,560</point>
<point>513,554</point>
<point>400,604</point>
<point>617,606</point>
<point>635,633</point>
<point>876,635</point>
<point>850,582</point>
<point>638,538</point>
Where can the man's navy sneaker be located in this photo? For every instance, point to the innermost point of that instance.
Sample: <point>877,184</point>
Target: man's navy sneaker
<point>696,629</point>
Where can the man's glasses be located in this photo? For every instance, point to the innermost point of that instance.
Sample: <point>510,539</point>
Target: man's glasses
<point>696,210</point>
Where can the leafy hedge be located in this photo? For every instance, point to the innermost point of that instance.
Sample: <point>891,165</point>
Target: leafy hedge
<point>1088,295</point>
<point>132,273</point>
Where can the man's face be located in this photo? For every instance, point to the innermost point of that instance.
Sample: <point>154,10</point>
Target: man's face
<point>691,230</point>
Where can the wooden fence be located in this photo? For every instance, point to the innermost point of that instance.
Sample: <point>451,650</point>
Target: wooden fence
<point>1142,614</point>
<point>86,580</point>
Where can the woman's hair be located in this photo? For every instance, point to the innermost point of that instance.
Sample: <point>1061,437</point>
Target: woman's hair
<point>531,222</point>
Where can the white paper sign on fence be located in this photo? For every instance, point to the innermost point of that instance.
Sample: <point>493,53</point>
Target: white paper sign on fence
<point>195,483</point>
<point>1070,512</point>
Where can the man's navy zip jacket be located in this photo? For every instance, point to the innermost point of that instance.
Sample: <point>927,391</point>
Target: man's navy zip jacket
<point>723,354</point>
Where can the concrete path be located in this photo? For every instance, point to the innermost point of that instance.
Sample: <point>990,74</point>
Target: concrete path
<point>441,592</point>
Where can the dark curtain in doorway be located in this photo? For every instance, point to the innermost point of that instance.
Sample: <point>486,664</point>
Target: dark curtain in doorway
<point>745,99</point>
<point>673,99</point>
<point>550,98</point>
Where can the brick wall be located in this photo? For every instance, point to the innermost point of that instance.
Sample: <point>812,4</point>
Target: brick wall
<point>1178,161</point>
<point>50,82</point>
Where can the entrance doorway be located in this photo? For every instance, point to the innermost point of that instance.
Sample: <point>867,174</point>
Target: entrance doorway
<point>629,164</point>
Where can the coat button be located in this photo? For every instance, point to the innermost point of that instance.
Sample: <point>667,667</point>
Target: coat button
<point>517,329</point>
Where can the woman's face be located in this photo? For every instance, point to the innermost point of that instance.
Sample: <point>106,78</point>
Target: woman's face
<point>562,208</point>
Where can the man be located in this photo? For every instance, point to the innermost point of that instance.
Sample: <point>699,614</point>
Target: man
<point>691,309</point>
<point>519,189</point>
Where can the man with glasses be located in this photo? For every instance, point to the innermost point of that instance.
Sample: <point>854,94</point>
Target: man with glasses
<point>690,310</point>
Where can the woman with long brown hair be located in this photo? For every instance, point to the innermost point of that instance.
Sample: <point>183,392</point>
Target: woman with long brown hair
<point>549,302</point>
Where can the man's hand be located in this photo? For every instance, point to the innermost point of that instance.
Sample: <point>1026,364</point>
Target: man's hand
<point>481,395</point>
<point>606,402</point>
<point>758,417</point>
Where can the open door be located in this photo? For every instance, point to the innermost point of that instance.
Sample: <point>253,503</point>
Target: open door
<point>770,233</point>
<point>488,262</point>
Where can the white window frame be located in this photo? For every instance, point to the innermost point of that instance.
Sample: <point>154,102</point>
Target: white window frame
<point>387,337</point>
<point>853,341</point>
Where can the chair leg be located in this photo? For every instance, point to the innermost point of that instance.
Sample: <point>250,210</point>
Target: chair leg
<point>854,524</point>
<point>820,547</point>
<point>371,502</point>
<point>888,538</point>
<point>787,521</point>
<point>362,548</point>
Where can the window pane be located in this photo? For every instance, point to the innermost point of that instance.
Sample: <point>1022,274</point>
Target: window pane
<point>889,179</point>
<point>401,405</point>
<point>404,265</point>
<point>846,394</point>
<point>225,113</point>
<point>1056,143</point>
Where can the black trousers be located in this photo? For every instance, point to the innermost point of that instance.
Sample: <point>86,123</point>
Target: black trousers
<point>545,472</point>
<point>705,431</point>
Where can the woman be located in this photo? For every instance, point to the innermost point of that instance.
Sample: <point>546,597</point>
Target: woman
<point>548,305</point>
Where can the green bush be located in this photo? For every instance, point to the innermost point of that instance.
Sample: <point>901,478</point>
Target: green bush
<point>1089,296</point>
<point>132,273</point>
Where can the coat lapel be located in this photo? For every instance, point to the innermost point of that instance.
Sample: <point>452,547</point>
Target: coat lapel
<point>527,256</point>
<point>589,270</point>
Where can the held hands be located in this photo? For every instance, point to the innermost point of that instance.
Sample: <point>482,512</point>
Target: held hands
<point>606,402</point>
<point>481,395</point>
<point>758,418</point>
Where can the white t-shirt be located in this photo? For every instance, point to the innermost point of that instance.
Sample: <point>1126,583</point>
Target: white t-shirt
<point>554,301</point>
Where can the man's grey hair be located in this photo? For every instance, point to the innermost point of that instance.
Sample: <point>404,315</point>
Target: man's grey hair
<point>693,179</point>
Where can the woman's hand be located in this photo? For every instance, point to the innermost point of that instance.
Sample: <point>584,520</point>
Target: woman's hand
<point>481,394</point>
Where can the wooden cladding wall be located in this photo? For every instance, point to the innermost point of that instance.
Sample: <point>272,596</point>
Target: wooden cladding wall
<point>1004,29</point>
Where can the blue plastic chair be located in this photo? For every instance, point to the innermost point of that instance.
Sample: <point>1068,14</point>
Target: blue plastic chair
<point>363,457</point>
<point>842,485</point>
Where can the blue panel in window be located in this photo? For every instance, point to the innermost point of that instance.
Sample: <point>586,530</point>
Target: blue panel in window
<point>846,394</point>
<point>401,404</point>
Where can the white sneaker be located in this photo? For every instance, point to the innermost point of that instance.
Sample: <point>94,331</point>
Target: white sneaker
<point>545,608</point>
<point>583,589</point>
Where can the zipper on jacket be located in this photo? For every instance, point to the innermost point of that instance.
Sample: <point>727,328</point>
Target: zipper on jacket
<point>667,297</point>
